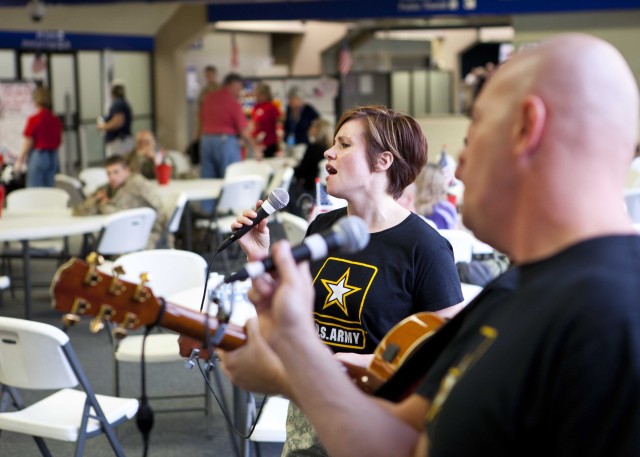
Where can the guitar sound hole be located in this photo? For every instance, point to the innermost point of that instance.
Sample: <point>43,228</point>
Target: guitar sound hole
<point>390,352</point>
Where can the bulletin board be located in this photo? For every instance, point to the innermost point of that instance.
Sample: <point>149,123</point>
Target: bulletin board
<point>16,105</point>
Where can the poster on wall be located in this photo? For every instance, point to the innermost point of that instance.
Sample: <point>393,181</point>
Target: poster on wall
<point>16,105</point>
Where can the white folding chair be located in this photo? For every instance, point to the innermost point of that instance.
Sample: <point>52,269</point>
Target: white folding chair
<point>169,271</point>
<point>174,205</point>
<point>462,243</point>
<point>72,186</point>
<point>237,194</point>
<point>295,227</point>
<point>39,356</point>
<point>92,178</point>
<point>181,163</point>
<point>126,231</point>
<point>271,427</point>
<point>281,178</point>
<point>37,201</point>
<point>249,167</point>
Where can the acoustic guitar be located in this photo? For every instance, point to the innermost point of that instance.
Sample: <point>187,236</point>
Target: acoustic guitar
<point>80,289</point>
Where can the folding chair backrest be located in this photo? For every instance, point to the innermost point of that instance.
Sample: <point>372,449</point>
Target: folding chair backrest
<point>126,231</point>
<point>72,186</point>
<point>38,198</point>
<point>281,179</point>
<point>174,206</point>
<point>92,178</point>
<point>295,227</point>
<point>181,162</point>
<point>170,270</point>
<point>240,193</point>
<point>249,167</point>
<point>31,355</point>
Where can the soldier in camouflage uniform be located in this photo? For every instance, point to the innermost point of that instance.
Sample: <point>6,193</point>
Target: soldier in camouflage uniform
<point>126,190</point>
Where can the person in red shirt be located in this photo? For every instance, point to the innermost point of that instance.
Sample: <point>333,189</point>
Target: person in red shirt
<point>42,137</point>
<point>223,123</point>
<point>265,118</point>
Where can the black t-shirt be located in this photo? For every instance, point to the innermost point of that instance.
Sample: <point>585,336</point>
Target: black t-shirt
<point>119,105</point>
<point>553,371</point>
<point>403,270</point>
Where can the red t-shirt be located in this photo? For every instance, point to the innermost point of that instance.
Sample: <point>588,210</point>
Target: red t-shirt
<point>45,129</point>
<point>221,114</point>
<point>265,118</point>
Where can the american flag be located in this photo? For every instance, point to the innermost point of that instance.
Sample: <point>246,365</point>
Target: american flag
<point>235,61</point>
<point>344,59</point>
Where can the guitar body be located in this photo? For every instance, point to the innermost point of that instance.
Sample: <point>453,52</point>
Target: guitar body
<point>397,346</point>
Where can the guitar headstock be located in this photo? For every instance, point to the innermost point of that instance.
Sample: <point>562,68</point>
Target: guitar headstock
<point>80,289</point>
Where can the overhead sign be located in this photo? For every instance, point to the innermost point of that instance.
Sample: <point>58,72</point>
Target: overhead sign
<point>59,40</point>
<point>224,10</point>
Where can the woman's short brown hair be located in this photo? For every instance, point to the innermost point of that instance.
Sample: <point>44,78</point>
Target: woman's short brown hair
<point>393,131</point>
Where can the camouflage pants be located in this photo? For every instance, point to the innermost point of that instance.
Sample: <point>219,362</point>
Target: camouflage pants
<point>301,437</point>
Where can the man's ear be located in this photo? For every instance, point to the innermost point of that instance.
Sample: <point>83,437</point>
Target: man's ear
<point>532,119</point>
<point>384,160</point>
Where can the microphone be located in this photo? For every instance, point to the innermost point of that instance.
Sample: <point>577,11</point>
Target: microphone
<point>348,235</point>
<point>278,199</point>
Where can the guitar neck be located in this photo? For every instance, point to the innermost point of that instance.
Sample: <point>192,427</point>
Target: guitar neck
<point>192,323</point>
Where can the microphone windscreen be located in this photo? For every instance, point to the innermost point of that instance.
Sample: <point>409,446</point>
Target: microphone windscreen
<point>278,198</point>
<point>355,233</point>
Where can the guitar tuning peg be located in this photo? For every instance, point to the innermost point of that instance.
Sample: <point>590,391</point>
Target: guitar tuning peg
<point>95,259</point>
<point>92,278</point>
<point>141,294</point>
<point>122,330</point>
<point>80,306</point>
<point>97,323</point>
<point>116,286</point>
<point>69,320</point>
<point>119,333</point>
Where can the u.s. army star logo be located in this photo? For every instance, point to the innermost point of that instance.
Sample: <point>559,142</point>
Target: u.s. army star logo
<point>343,286</point>
<point>338,291</point>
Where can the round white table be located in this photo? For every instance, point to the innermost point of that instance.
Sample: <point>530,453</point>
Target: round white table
<point>195,189</point>
<point>28,227</point>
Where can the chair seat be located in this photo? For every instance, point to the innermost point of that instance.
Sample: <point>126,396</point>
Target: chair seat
<point>160,347</point>
<point>59,415</point>
<point>272,424</point>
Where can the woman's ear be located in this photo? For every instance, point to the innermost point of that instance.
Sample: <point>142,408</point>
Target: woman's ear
<point>384,161</point>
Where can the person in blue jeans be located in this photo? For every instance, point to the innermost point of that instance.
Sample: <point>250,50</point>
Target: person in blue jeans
<point>42,137</point>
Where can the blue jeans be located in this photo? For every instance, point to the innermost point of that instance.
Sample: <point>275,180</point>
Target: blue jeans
<point>42,167</point>
<point>216,152</point>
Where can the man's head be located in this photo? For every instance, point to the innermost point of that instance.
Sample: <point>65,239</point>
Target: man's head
<point>145,143</point>
<point>117,171</point>
<point>554,127</point>
<point>211,74</point>
<point>234,83</point>
<point>294,98</point>
<point>117,88</point>
<point>42,97</point>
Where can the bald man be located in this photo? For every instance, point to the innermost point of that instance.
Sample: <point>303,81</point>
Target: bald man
<point>555,368</point>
